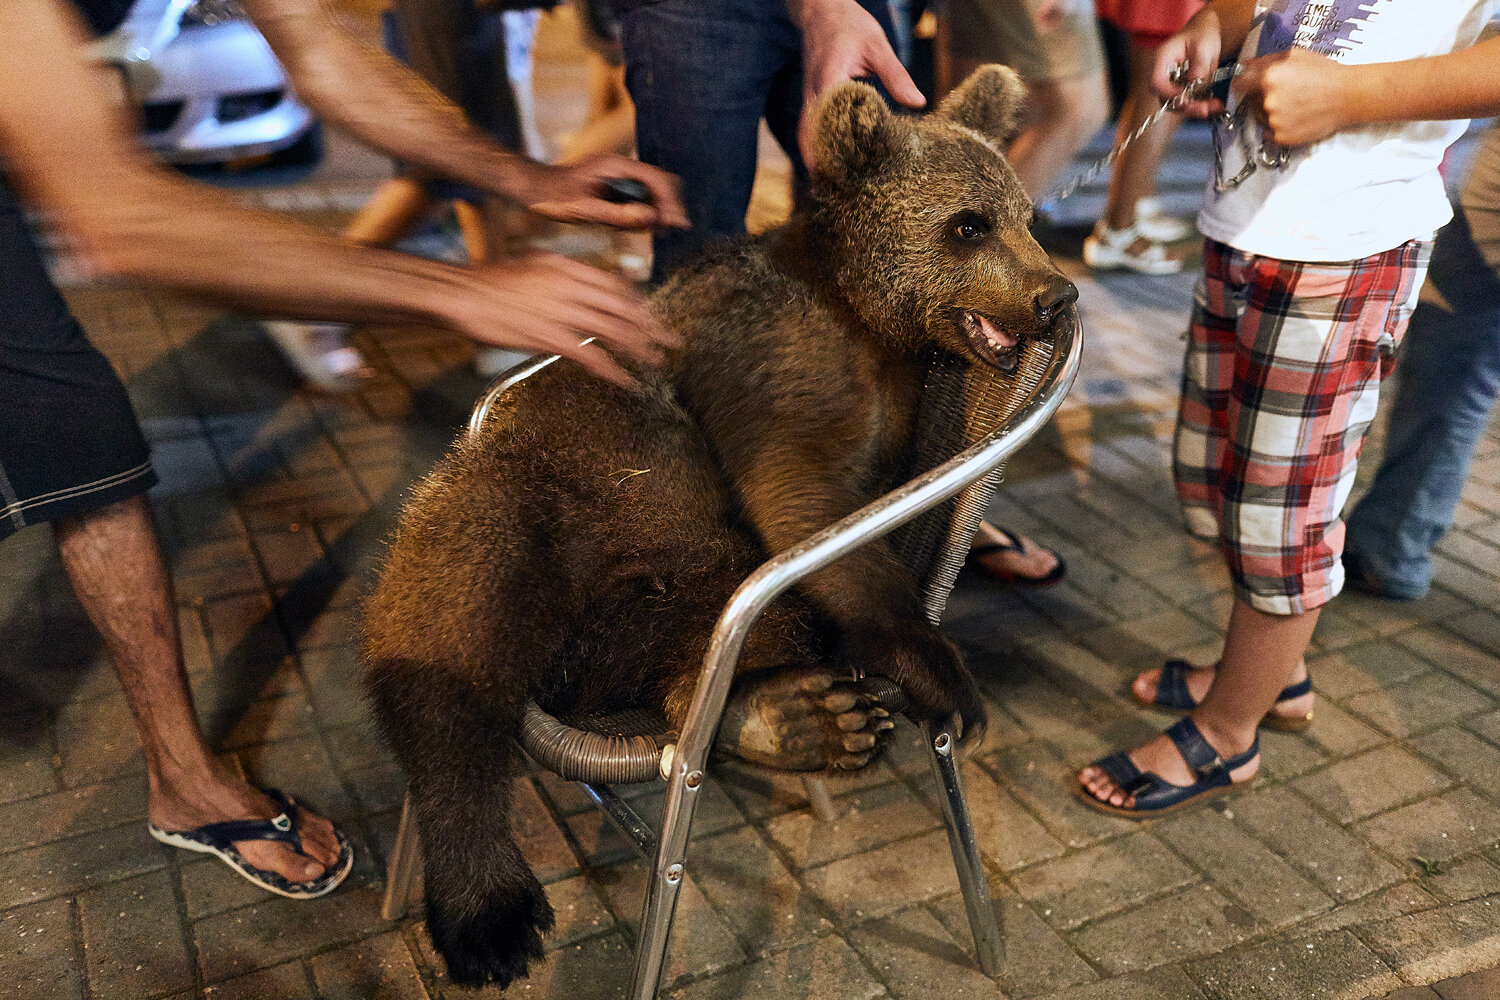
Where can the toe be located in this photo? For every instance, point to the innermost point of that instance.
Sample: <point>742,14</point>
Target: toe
<point>815,682</point>
<point>858,742</point>
<point>1146,684</point>
<point>853,762</point>
<point>851,722</point>
<point>839,701</point>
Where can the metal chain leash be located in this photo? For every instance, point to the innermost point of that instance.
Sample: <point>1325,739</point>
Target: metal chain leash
<point>1195,90</point>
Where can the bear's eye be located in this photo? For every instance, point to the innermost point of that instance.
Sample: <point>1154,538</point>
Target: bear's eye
<point>970,227</point>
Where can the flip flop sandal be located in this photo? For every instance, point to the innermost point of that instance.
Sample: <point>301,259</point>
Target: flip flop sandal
<point>1172,694</point>
<point>975,562</point>
<point>218,839</point>
<point>1155,795</point>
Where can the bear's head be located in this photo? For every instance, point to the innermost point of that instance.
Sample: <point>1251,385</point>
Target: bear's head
<point>925,227</point>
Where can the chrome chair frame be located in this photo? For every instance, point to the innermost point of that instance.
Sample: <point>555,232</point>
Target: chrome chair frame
<point>682,764</point>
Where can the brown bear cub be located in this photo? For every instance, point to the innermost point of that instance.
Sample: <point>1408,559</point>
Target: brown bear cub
<point>579,551</point>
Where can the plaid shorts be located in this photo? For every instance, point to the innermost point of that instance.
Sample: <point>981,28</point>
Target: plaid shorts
<point>1280,382</point>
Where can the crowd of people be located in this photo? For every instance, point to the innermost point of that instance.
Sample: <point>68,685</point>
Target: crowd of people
<point>1320,222</point>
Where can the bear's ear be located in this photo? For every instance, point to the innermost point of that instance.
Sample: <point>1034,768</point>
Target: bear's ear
<point>989,102</point>
<point>849,133</point>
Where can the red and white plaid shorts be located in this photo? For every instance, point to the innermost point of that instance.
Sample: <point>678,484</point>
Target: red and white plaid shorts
<point>1280,382</point>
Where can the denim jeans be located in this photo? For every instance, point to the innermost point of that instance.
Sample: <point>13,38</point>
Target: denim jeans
<point>1447,380</point>
<point>702,74</point>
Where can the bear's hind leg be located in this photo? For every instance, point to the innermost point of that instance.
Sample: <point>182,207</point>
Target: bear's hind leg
<point>486,911</point>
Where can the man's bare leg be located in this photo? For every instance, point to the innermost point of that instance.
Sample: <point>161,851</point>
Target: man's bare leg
<point>1261,653</point>
<point>115,564</point>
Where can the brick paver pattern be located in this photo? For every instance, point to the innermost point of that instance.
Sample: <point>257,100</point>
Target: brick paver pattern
<point>1363,861</point>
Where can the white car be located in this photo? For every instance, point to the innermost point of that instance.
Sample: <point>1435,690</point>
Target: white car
<point>207,86</point>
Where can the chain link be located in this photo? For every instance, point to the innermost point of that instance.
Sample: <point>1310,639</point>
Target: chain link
<point>1195,90</point>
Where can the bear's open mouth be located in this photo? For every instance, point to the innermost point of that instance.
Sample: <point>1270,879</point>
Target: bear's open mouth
<point>993,344</point>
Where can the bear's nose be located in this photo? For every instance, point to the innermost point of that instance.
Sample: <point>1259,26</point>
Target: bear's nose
<point>1049,303</point>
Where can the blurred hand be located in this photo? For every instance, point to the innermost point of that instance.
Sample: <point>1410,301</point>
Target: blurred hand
<point>1300,97</point>
<point>1197,45</point>
<point>841,41</point>
<point>576,194</point>
<point>546,303</point>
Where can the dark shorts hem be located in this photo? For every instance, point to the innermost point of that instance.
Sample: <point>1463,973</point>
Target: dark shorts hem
<point>77,500</point>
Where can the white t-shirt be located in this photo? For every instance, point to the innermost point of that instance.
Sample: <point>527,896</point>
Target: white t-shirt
<point>1364,190</point>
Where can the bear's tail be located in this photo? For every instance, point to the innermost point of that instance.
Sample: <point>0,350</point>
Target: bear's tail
<point>486,911</point>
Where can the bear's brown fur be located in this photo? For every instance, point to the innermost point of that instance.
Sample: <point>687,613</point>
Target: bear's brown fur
<point>582,547</point>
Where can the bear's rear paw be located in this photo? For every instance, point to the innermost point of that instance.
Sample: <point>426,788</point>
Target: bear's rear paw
<point>494,943</point>
<point>803,720</point>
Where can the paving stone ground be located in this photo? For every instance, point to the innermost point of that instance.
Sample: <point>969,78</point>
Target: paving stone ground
<point>1363,862</point>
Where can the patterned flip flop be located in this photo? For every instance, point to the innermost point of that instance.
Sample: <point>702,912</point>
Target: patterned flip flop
<point>218,839</point>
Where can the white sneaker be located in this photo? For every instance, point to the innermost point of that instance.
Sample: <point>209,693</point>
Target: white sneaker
<point>320,353</point>
<point>1129,250</point>
<point>1153,221</point>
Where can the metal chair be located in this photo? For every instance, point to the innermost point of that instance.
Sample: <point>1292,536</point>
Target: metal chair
<point>971,420</point>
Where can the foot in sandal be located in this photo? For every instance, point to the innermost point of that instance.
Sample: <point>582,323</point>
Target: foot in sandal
<point>1178,686</point>
<point>1180,768</point>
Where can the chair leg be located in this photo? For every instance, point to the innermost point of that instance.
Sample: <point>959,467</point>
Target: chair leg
<point>668,872</point>
<point>818,798</point>
<point>401,873</point>
<point>971,877</point>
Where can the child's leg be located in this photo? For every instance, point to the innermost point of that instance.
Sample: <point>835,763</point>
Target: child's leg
<point>1313,344</point>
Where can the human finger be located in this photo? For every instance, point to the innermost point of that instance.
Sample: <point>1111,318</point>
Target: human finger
<point>611,294</point>
<point>665,188</point>
<point>597,360</point>
<point>898,82</point>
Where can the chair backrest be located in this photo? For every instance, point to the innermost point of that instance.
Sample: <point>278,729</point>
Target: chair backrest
<point>961,403</point>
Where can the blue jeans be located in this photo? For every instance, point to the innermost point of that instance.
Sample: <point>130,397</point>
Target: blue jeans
<point>702,74</point>
<point>1447,382</point>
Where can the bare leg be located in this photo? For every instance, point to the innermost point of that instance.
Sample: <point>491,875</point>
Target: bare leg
<point>390,213</point>
<point>1134,174</point>
<point>610,124</point>
<point>474,228</point>
<point>114,562</point>
<point>1261,653</point>
<point>1063,115</point>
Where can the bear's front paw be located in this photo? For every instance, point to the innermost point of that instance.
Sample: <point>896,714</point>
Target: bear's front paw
<point>929,668</point>
<point>494,940</point>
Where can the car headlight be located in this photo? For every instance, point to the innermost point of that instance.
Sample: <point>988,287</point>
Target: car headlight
<point>207,13</point>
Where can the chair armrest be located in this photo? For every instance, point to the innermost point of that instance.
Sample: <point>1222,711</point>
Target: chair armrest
<point>872,521</point>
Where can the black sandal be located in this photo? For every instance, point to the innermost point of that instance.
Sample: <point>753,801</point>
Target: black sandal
<point>975,561</point>
<point>1173,695</point>
<point>1155,795</point>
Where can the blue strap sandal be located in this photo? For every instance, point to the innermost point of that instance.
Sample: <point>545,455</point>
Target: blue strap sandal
<point>1172,694</point>
<point>219,838</point>
<point>1156,796</point>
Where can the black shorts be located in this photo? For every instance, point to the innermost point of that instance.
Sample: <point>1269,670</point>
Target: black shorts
<point>69,441</point>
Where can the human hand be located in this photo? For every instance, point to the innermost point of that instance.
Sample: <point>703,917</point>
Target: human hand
<point>576,193</point>
<point>1197,48</point>
<point>547,303</point>
<point>1300,97</point>
<point>841,41</point>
